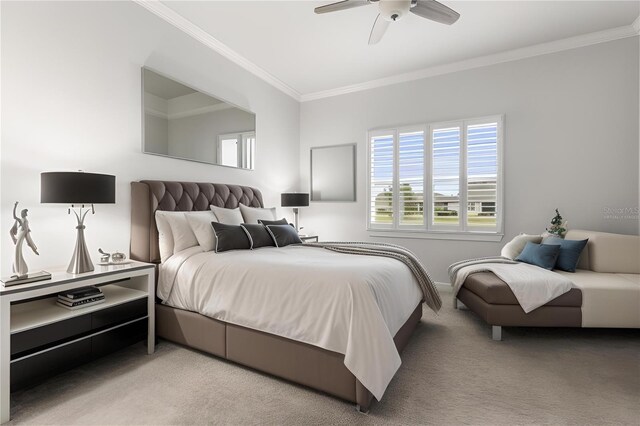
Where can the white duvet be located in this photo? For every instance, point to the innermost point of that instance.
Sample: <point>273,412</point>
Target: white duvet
<point>349,304</point>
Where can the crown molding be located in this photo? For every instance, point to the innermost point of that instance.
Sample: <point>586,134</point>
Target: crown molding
<point>188,27</point>
<point>636,25</point>
<point>483,61</point>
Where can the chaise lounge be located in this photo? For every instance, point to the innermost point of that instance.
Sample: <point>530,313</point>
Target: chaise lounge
<point>606,290</point>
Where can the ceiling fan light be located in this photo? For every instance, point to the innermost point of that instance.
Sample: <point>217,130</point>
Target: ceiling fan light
<point>394,10</point>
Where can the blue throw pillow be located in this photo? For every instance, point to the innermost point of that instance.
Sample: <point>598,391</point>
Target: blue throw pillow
<point>570,251</point>
<point>542,255</point>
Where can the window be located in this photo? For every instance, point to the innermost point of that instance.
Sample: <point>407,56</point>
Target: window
<point>237,150</point>
<point>441,177</point>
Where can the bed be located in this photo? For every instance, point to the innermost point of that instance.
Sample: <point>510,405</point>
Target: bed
<point>300,353</point>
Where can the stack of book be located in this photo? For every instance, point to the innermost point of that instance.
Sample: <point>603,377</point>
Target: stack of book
<point>80,297</point>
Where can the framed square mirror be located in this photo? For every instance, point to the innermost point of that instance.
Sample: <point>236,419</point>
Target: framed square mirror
<point>333,173</point>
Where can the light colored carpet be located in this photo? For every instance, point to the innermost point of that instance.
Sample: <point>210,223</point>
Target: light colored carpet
<point>452,373</point>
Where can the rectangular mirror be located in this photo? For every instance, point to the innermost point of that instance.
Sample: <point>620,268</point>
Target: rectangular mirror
<point>185,123</point>
<point>333,173</point>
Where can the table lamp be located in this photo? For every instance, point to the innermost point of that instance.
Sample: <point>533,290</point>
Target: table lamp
<point>79,189</point>
<point>295,200</point>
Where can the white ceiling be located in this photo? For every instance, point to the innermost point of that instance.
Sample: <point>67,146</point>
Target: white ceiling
<point>312,53</point>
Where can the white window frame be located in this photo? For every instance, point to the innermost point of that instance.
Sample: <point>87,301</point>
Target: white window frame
<point>245,145</point>
<point>430,230</point>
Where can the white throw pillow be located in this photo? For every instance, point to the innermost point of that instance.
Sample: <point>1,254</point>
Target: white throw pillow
<point>165,236</point>
<point>254,214</point>
<point>227,216</point>
<point>513,248</point>
<point>183,236</point>
<point>200,223</point>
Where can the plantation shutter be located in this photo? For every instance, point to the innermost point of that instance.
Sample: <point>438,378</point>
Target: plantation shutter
<point>381,180</point>
<point>411,178</point>
<point>482,175</point>
<point>445,176</point>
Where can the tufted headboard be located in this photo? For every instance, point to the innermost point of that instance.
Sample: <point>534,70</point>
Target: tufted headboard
<point>147,196</point>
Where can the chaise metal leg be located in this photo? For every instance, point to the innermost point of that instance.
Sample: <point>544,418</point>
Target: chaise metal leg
<point>362,409</point>
<point>496,332</point>
<point>457,304</point>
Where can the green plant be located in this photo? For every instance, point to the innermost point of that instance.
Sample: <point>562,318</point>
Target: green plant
<point>557,225</point>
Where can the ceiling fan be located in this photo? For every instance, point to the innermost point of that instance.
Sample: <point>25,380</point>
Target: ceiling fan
<point>394,10</point>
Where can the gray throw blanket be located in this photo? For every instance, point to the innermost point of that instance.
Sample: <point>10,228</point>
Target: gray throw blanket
<point>429,290</point>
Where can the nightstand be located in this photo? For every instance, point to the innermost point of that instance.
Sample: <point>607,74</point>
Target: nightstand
<point>38,338</point>
<point>309,238</point>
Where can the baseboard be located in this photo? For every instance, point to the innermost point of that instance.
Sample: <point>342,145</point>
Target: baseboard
<point>442,286</point>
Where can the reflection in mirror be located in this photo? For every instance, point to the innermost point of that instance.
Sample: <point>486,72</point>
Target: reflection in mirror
<point>182,122</point>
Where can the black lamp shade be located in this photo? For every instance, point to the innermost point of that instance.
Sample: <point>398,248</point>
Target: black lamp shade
<point>294,199</point>
<point>77,188</point>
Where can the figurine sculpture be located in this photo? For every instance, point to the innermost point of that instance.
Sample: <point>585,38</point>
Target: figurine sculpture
<point>19,233</point>
<point>111,258</point>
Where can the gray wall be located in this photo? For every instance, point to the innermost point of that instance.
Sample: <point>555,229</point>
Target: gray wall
<point>71,99</point>
<point>571,141</point>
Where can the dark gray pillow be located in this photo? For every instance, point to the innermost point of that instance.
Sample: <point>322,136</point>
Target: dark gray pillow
<point>283,235</point>
<point>259,235</point>
<point>230,237</point>
<point>282,221</point>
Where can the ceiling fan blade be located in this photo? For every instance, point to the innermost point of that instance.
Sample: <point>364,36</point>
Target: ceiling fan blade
<point>341,5</point>
<point>379,28</point>
<point>435,11</point>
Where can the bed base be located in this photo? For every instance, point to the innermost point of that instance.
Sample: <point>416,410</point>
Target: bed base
<point>294,361</point>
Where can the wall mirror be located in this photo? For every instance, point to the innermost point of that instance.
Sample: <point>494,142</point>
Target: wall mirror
<point>333,173</point>
<point>185,123</point>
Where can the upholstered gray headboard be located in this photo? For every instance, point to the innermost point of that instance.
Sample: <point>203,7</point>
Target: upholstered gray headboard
<point>147,196</point>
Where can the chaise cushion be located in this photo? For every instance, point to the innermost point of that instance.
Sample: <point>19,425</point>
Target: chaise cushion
<point>493,290</point>
<point>605,252</point>
<point>609,300</point>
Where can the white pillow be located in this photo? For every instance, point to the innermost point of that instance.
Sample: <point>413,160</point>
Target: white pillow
<point>165,236</point>
<point>227,216</point>
<point>183,236</point>
<point>514,247</point>
<point>200,223</point>
<point>254,214</point>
